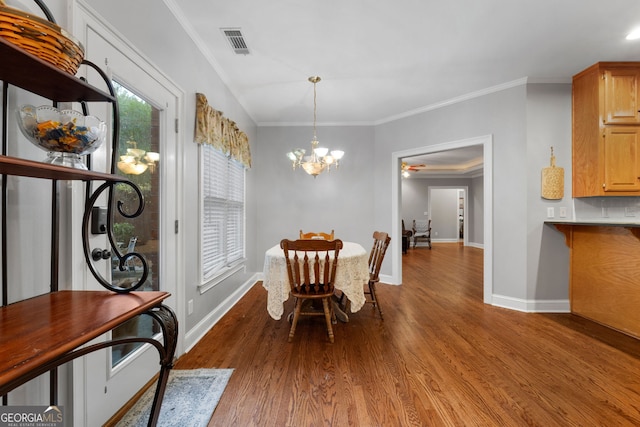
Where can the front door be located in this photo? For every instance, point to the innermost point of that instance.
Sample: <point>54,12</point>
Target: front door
<point>146,155</point>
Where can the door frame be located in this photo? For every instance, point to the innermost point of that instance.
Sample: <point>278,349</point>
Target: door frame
<point>396,202</point>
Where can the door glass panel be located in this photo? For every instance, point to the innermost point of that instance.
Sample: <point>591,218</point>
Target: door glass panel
<point>138,159</point>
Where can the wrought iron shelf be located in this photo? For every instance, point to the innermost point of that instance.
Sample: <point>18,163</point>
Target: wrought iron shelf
<point>35,75</point>
<point>39,334</point>
<point>43,332</point>
<point>29,168</point>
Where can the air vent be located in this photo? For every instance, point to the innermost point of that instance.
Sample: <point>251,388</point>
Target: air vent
<point>236,40</point>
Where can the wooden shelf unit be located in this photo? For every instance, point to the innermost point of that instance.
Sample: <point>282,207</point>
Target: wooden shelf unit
<point>28,72</point>
<point>41,333</point>
<point>38,332</point>
<point>29,168</point>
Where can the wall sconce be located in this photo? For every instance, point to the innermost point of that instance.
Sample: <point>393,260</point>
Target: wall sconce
<point>137,161</point>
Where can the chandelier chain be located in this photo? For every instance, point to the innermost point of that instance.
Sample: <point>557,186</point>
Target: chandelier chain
<point>314,110</point>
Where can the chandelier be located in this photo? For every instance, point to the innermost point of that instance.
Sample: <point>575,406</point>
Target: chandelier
<point>137,161</point>
<point>320,159</point>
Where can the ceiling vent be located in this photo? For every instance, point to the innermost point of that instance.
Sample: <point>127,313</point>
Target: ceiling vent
<point>236,40</point>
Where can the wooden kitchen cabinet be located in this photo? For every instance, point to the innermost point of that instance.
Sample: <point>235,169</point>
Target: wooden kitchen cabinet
<point>621,159</point>
<point>605,125</point>
<point>621,95</point>
<point>604,285</point>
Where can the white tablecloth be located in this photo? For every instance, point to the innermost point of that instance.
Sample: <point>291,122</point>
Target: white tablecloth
<point>351,276</point>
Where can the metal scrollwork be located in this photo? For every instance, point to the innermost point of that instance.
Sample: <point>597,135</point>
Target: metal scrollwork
<point>123,260</point>
<point>168,322</point>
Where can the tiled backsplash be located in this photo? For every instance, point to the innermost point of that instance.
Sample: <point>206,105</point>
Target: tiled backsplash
<point>624,208</point>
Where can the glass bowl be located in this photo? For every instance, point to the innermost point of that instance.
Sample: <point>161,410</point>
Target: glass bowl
<point>65,134</point>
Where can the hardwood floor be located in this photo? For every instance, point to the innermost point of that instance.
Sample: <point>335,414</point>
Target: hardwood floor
<point>440,358</point>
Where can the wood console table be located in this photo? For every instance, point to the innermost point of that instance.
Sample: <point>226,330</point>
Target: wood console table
<point>604,273</point>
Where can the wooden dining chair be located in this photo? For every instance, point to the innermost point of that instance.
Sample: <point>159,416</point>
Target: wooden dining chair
<point>311,268</point>
<point>380,244</point>
<point>319,235</point>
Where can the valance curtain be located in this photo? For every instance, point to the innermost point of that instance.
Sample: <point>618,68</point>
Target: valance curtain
<point>220,132</point>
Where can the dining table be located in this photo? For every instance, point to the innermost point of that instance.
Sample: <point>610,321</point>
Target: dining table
<point>352,274</point>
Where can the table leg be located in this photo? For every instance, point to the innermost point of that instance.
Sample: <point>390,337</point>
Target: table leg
<point>341,313</point>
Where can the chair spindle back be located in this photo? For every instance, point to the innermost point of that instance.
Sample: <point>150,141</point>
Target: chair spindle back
<point>376,256</point>
<point>303,257</point>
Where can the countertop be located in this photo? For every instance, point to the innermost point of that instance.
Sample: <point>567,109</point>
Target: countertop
<point>599,222</point>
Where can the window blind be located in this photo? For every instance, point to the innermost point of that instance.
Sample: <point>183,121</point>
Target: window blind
<point>222,222</point>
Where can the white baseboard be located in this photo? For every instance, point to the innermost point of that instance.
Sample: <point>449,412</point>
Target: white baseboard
<point>388,280</point>
<point>472,244</point>
<point>196,333</point>
<point>441,240</point>
<point>531,306</point>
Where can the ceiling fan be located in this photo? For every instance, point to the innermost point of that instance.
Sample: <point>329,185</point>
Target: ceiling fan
<point>406,168</point>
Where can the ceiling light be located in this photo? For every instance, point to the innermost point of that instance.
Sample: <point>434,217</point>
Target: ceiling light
<point>321,158</point>
<point>137,161</point>
<point>634,35</point>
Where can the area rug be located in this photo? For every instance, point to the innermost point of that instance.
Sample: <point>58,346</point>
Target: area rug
<point>189,400</point>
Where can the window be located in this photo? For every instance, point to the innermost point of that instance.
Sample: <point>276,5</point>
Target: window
<point>222,221</point>
<point>139,131</point>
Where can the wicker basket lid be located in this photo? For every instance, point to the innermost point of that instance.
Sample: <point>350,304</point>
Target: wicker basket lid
<point>41,38</point>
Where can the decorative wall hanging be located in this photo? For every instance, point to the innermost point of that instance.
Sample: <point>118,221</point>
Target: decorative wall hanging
<point>552,180</point>
<point>220,132</point>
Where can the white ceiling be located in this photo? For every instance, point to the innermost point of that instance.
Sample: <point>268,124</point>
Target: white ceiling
<point>381,60</point>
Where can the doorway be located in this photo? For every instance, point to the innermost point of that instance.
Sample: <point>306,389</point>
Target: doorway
<point>448,213</point>
<point>396,200</point>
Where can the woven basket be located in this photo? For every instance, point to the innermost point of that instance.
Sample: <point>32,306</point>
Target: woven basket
<point>41,38</point>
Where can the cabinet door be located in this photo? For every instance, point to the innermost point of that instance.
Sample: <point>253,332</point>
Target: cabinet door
<point>621,96</point>
<point>621,147</point>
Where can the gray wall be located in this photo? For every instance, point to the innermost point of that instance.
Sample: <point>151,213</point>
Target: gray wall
<point>475,214</point>
<point>444,208</point>
<point>291,200</point>
<point>415,202</point>
<point>522,120</point>
<point>502,115</point>
<point>548,124</point>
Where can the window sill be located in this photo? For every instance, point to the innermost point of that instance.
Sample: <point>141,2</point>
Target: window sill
<point>222,275</point>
